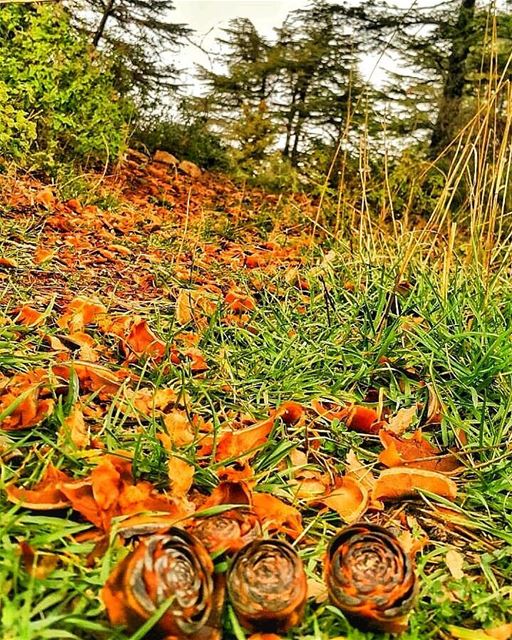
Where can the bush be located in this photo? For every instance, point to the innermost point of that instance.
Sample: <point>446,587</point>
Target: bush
<point>57,100</point>
<point>190,140</point>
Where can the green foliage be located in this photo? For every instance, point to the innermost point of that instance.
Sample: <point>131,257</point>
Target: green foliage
<point>273,173</point>
<point>142,38</point>
<point>254,135</point>
<point>189,140</point>
<point>282,94</point>
<point>57,100</point>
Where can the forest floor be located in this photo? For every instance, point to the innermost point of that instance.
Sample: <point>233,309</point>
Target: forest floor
<point>161,334</point>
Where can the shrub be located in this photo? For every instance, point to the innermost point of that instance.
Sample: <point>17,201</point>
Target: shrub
<point>190,140</point>
<point>57,100</point>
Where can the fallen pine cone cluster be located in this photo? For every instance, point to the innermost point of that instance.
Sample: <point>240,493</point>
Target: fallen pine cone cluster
<point>369,577</point>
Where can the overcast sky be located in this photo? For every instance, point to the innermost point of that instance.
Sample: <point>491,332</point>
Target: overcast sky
<point>209,17</point>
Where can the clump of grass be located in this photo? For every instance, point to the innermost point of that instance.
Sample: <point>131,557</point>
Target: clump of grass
<point>354,332</point>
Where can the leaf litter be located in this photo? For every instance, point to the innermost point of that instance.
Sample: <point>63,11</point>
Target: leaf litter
<point>103,357</point>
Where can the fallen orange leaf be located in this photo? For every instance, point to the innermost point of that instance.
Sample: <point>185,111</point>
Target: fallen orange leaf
<point>362,419</point>
<point>278,516</point>
<point>45,197</point>
<point>143,342</point>
<point>21,401</point>
<point>181,475</point>
<point>194,356</point>
<point>8,263</point>
<point>402,420</point>
<point>110,491</point>
<point>239,302</point>
<point>136,336</point>
<point>244,442</point>
<point>180,430</point>
<point>454,563</point>
<point>307,488</point>
<point>501,632</point>
<point>414,452</point>
<point>398,483</point>
<point>194,305</point>
<point>28,316</point>
<point>75,427</point>
<point>43,255</point>
<point>93,377</point>
<point>357,417</point>
<point>357,470</point>
<point>238,472</point>
<point>79,313</point>
<point>148,402</point>
<point>38,566</point>
<point>349,499</point>
<point>44,495</point>
<point>236,493</point>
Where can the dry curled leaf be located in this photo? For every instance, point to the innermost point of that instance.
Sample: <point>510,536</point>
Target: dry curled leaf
<point>23,400</point>
<point>38,565</point>
<point>93,377</point>
<point>234,493</point>
<point>75,427</point>
<point>181,475</point>
<point>356,469</point>
<point>349,498</point>
<point>454,562</point>
<point>357,417</point>
<point>137,338</point>
<point>434,406</point>
<point>110,491</point>
<point>45,495</point>
<point>399,483</point>
<point>142,341</point>
<point>499,632</point>
<point>42,255</point>
<point>276,516</point>
<point>79,313</point>
<point>179,428</point>
<point>28,316</point>
<point>402,420</point>
<point>8,263</point>
<point>242,443</point>
<point>415,451</point>
<point>194,305</point>
<point>239,302</point>
<point>46,197</point>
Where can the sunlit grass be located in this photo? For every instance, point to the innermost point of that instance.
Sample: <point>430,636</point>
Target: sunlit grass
<point>354,331</point>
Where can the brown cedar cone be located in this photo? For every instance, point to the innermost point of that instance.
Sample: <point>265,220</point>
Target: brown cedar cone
<point>267,586</point>
<point>173,567</point>
<point>370,578</point>
<point>227,532</point>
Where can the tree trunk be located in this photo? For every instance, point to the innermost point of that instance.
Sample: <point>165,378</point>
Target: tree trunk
<point>289,123</point>
<point>101,27</point>
<point>453,89</point>
<point>299,124</point>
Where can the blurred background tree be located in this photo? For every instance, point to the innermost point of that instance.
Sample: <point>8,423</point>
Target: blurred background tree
<point>140,35</point>
<point>294,104</point>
